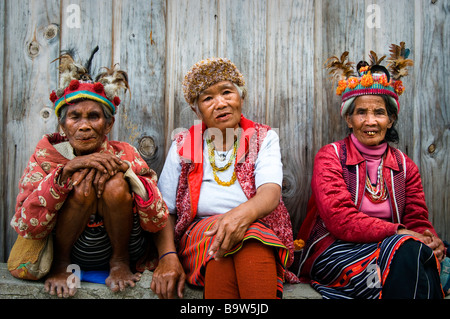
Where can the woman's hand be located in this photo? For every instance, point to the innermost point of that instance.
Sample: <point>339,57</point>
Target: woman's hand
<point>230,227</point>
<point>105,163</point>
<point>95,169</point>
<point>436,244</point>
<point>168,277</point>
<point>429,239</point>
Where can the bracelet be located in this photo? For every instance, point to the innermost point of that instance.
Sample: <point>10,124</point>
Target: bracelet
<point>170,252</point>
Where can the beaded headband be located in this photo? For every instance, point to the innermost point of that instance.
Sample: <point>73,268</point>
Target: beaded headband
<point>207,72</point>
<point>370,79</point>
<point>83,90</point>
<point>76,83</point>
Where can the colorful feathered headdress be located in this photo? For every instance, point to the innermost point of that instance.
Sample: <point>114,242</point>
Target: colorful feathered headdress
<point>76,82</point>
<point>370,78</point>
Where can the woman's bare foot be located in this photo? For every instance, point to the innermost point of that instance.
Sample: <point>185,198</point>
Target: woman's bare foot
<point>56,282</point>
<point>120,276</point>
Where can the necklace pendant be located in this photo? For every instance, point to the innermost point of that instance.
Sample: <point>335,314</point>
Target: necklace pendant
<point>222,156</point>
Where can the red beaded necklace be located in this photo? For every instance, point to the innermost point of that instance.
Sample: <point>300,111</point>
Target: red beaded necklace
<point>377,193</point>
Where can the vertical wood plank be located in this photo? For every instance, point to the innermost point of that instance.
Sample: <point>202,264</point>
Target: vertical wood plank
<point>395,27</point>
<point>342,30</point>
<point>431,108</point>
<point>4,222</point>
<point>291,95</point>
<point>243,41</point>
<point>29,47</point>
<point>141,119</point>
<point>95,28</point>
<point>191,37</point>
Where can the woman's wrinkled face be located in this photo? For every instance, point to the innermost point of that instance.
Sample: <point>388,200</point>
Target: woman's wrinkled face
<point>369,120</point>
<point>220,106</point>
<point>86,126</point>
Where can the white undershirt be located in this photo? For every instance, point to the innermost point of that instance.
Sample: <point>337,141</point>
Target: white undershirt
<point>214,198</point>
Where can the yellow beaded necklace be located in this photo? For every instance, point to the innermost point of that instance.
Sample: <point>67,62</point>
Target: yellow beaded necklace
<point>212,161</point>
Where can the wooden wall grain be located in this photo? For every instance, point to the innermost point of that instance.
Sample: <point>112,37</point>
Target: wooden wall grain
<point>279,45</point>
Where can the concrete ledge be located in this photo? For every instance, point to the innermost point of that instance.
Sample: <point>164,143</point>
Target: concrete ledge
<point>13,288</point>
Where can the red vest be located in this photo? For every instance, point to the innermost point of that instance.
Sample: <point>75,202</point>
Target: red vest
<point>190,149</point>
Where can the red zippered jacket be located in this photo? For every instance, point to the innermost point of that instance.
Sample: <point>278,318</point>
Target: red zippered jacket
<point>338,184</point>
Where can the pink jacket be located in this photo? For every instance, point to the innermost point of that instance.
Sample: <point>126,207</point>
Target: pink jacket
<point>337,190</point>
<point>41,196</point>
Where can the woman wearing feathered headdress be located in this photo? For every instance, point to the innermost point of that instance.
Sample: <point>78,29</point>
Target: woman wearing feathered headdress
<point>367,231</point>
<point>97,198</point>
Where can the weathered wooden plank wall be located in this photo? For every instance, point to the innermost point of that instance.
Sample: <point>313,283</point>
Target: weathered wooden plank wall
<point>279,45</point>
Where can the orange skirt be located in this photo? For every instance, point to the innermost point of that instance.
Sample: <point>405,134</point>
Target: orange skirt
<point>194,247</point>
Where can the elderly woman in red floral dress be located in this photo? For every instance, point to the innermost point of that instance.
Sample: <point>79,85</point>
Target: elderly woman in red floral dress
<point>96,197</point>
<point>230,231</point>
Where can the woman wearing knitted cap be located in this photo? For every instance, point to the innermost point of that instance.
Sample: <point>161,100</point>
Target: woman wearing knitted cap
<point>97,197</point>
<point>222,185</point>
<point>367,232</point>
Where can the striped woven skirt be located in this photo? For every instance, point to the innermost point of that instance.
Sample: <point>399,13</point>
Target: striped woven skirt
<point>350,270</point>
<point>194,247</point>
<point>92,250</point>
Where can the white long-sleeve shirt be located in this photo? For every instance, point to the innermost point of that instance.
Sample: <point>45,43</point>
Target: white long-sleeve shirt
<point>214,198</point>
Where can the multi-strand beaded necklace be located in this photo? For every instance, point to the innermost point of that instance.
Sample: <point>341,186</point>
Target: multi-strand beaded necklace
<point>377,193</point>
<point>212,161</point>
